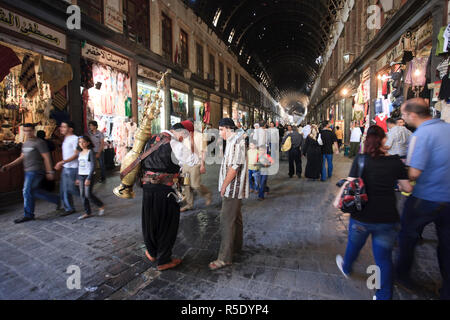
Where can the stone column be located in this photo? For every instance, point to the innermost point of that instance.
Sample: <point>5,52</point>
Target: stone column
<point>134,79</point>
<point>167,97</point>
<point>75,107</point>
<point>191,103</point>
<point>373,89</point>
<point>439,19</point>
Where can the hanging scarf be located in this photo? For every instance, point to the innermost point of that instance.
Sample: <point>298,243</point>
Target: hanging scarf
<point>27,76</point>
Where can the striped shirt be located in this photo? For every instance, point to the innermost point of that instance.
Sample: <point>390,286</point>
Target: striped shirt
<point>236,158</point>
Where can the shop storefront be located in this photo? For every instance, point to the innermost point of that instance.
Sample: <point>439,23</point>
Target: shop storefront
<point>179,96</point>
<point>214,112</point>
<point>147,89</point>
<point>33,87</point>
<point>200,105</point>
<point>107,97</point>
<point>402,72</point>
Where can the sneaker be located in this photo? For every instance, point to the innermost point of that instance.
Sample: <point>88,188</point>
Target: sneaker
<point>374,298</point>
<point>84,217</point>
<point>22,220</point>
<point>340,264</point>
<point>67,213</point>
<point>101,212</point>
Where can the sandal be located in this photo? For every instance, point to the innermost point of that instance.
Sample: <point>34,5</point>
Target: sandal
<point>149,256</point>
<point>218,264</point>
<point>170,265</point>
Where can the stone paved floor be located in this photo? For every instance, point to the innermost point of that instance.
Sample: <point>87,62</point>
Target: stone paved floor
<point>291,241</point>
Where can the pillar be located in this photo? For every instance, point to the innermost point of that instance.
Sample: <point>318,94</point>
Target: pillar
<point>75,101</point>
<point>439,20</point>
<point>134,90</point>
<point>373,89</point>
<point>167,98</point>
<point>191,103</point>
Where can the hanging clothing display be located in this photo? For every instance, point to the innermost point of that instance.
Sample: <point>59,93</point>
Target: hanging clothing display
<point>28,76</point>
<point>444,108</point>
<point>56,74</point>
<point>444,93</point>
<point>358,112</point>
<point>381,121</point>
<point>207,116</point>
<point>378,106</point>
<point>442,68</point>
<point>416,75</point>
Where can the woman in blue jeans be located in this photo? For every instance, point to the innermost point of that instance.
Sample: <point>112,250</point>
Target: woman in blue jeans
<point>380,217</point>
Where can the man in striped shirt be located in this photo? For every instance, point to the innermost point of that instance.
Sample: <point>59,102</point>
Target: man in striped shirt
<point>233,187</point>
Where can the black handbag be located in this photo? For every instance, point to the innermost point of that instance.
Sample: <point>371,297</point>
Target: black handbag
<point>355,198</point>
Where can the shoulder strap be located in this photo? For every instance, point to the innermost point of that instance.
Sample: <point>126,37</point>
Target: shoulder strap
<point>142,157</point>
<point>361,164</point>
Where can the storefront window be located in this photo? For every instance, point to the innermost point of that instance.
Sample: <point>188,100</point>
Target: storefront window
<point>137,24</point>
<point>179,105</point>
<point>167,37</point>
<point>146,92</point>
<point>221,76</point>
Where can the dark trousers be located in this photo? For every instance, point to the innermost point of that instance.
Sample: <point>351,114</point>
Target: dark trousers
<point>87,195</point>
<point>354,149</point>
<point>160,222</point>
<point>295,157</point>
<point>417,214</point>
<point>101,163</point>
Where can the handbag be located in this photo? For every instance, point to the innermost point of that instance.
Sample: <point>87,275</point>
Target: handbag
<point>355,198</point>
<point>287,145</point>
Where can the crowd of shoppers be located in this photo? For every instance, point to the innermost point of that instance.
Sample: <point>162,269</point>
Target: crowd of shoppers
<point>427,151</point>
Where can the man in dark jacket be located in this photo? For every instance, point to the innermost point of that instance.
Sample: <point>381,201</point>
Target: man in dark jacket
<point>160,209</point>
<point>295,154</point>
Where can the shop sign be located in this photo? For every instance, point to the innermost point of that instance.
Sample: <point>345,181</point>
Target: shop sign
<point>149,73</point>
<point>425,32</point>
<point>104,57</point>
<point>201,94</point>
<point>175,84</point>
<point>29,28</point>
<point>366,74</point>
<point>114,15</point>
<point>215,98</point>
<point>392,55</point>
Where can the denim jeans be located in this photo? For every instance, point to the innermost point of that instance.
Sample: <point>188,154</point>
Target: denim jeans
<point>87,195</point>
<point>383,241</point>
<point>253,176</point>
<point>262,185</point>
<point>101,162</point>
<point>327,158</point>
<point>68,188</point>
<point>31,191</point>
<point>417,214</point>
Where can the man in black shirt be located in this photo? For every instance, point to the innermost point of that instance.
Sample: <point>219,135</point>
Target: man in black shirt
<point>328,139</point>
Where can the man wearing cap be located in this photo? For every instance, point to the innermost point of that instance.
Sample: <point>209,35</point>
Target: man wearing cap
<point>160,208</point>
<point>233,187</point>
<point>194,168</point>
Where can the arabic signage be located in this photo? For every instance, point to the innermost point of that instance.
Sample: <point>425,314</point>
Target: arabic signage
<point>29,28</point>
<point>179,85</point>
<point>200,94</point>
<point>392,55</point>
<point>149,73</point>
<point>425,32</point>
<point>104,57</point>
<point>114,15</point>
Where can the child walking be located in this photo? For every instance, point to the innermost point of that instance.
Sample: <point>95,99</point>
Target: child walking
<point>85,181</point>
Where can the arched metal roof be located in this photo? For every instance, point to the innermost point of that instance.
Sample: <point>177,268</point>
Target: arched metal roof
<point>284,38</point>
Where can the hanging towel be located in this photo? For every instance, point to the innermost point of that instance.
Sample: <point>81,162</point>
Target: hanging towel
<point>28,76</point>
<point>56,74</point>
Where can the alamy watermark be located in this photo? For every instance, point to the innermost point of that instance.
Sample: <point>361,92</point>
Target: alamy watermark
<point>374,12</point>
<point>73,22</point>
<point>374,280</point>
<point>74,280</point>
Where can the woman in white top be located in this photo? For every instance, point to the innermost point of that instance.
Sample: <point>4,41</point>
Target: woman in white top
<point>355,140</point>
<point>85,181</point>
